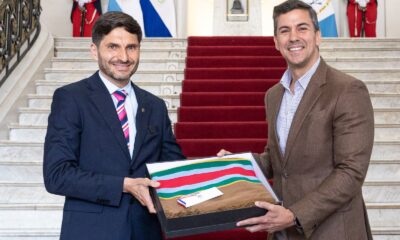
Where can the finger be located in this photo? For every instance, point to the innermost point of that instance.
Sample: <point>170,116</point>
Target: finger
<point>265,205</point>
<point>149,203</point>
<point>221,153</point>
<point>252,221</point>
<point>149,183</point>
<point>258,228</point>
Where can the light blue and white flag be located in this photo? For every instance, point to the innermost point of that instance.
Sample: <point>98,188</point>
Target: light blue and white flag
<point>156,17</point>
<point>326,16</point>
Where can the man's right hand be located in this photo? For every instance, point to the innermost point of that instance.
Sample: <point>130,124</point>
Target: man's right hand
<point>223,152</point>
<point>139,188</point>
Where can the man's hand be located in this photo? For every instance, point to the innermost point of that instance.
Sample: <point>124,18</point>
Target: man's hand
<point>223,152</point>
<point>139,188</point>
<point>276,219</point>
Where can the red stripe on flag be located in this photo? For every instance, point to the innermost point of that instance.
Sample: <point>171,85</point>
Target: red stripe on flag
<point>203,177</point>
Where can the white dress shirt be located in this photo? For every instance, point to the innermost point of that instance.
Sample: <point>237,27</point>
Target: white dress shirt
<point>131,107</point>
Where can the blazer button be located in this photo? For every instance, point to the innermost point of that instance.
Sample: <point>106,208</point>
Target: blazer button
<point>285,174</point>
<point>130,172</point>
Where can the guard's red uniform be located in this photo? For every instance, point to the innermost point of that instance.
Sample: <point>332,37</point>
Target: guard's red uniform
<point>355,18</point>
<point>93,11</point>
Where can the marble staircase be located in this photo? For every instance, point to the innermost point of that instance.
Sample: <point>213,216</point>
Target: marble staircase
<point>28,212</point>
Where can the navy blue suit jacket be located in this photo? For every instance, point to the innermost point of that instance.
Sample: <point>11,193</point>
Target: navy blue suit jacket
<point>86,159</point>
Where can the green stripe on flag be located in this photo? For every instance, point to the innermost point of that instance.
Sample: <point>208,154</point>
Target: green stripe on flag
<point>200,165</point>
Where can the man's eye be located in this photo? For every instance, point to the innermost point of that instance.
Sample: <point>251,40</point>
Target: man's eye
<point>112,47</point>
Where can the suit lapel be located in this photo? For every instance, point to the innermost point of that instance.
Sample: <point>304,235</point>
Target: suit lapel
<point>142,119</point>
<point>310,97</point>
<point>105,106</point>
<point>276,97</point>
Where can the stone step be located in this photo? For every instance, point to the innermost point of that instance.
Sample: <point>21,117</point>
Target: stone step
<point>24,193</point>
<point>12,151</point>
<point>182,42</point>
<point>360,42</point>
<point>383,86</point>
<point>143,75</point>
<point>32,116</point>
<point>383,101</point>
<point>47,87</point>
<point>381,191</point>
<point>374,74</point>
<point>387,132</point>
<point>386,151</point>
<point>171,64</point>
<point>387,116</point>
<point>146,42</point>
<point>178,75</point>
<point>35,216</point>
<point>84,52</point>
<point>31,171</point>
<point>383,171</point>
<point>36,133</point>
<point>44,101</point>
<point>360,52</point>
<point>34,192</point>
<point>30,234</point>
<point>145,63</point>
<point>30,216</point>
<point>383,214</point>
<point>16,151</point>
<point>386,233</point>
<point>35,117</point>
<point>363,62</point>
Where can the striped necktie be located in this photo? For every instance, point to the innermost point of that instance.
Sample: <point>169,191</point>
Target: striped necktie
<point>122,116</point>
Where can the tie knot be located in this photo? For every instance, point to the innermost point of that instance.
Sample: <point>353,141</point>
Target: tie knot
<point>120,95</point>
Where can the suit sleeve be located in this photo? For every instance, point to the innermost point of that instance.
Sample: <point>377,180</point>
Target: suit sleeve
<point>62,174</point>
<point>170,148</point>
<point>353,134</point>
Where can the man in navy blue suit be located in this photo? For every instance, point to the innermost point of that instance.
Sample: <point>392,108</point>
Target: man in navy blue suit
<point>101,132</point>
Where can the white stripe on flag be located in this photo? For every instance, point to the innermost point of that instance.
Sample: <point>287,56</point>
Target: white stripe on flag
<point>131,7</point>
<point>166,11</point>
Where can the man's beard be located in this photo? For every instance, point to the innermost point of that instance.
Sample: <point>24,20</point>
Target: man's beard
<point>107,71</point>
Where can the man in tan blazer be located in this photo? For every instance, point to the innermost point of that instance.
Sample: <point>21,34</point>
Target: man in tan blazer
<point>320,137</point>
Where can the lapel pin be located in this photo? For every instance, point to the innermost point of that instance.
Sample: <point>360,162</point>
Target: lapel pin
<point>142,110</point>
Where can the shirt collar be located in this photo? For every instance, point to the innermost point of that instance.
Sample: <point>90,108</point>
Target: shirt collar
<point>303,80</point>
<point>112,88</point>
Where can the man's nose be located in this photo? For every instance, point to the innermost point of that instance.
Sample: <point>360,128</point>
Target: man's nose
<point>123,55</point>
<point>293,35</point>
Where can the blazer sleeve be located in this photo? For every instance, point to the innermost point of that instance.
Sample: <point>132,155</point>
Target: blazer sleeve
<point>353,135</point>
<point>61,171</point>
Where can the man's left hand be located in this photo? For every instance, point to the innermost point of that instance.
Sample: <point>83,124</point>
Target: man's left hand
<point>276,219</point>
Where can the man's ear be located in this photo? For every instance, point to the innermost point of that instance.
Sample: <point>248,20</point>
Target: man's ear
<point>318,38</point>
<point>93,51</point>
<point>276,43</point>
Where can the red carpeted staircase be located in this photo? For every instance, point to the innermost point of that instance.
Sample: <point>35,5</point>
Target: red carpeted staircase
<point>222,101</point>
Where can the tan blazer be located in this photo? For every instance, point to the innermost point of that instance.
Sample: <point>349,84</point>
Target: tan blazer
<point>327,156</point>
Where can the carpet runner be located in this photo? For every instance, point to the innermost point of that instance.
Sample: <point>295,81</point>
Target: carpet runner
<point>222,101</point>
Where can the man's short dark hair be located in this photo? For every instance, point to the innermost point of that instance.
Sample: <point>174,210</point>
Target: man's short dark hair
<point>111,20</point>
<point>291,5</point>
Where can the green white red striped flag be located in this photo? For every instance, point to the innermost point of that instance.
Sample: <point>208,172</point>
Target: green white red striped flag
<point>190,176</point>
